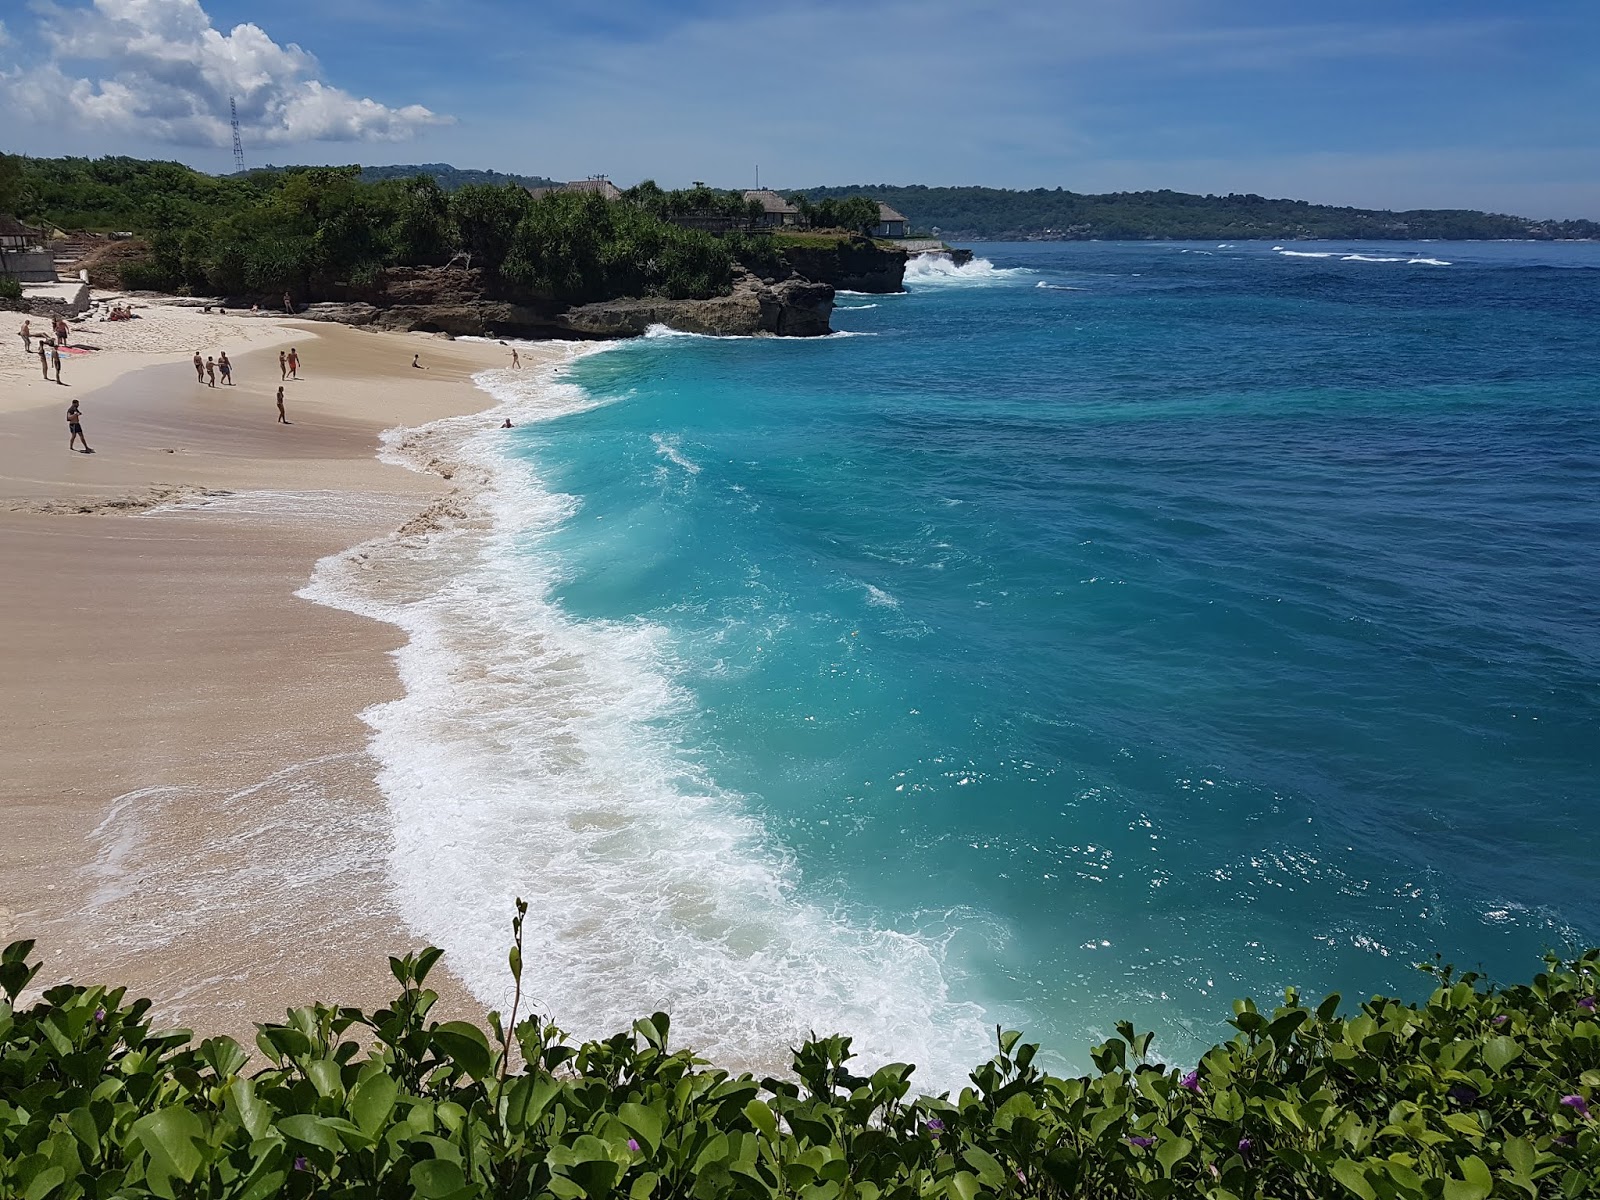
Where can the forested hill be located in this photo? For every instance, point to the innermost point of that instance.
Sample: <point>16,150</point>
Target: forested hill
<point>979,212</point>
<point>450,178</point>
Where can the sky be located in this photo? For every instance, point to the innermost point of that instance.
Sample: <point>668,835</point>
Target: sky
<point>1394,104</point>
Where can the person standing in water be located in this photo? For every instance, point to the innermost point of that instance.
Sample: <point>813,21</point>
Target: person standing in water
<point>199,368</point>
<point>294,363</point>
<point>226,368</point>
<point>75,428</point>
<point>282,420</point>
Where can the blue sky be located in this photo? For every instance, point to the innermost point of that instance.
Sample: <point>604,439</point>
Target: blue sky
<point>1405,103</point>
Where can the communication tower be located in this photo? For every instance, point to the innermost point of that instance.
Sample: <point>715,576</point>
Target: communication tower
<point>238,146</point>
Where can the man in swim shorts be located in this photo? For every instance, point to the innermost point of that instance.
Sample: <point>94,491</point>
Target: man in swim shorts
<point>75,428</point>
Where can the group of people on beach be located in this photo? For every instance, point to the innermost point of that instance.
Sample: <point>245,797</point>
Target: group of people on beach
<point>57,336</point>
<point>206,372</point>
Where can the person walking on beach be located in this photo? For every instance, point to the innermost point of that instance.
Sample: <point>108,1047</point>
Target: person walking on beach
<point>199,368</point>
<point>515,360</point>
<point>283,365</point>
<point>61,331</point>
<point>294,363</point>
<point>282,420</point>
<point>75,428</point>
<point>44,363</point>
<point>211,371</point>
<point>27,337</point>
<point>226,368</point>
<point>55,361</point>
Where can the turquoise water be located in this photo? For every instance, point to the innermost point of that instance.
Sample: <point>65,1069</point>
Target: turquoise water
<point>1136,626</point>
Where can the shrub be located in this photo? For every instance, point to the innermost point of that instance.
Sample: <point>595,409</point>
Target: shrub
<point>1479,1092</point>
<point>10,293</point>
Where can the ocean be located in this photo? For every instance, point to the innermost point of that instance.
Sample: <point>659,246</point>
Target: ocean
<point>1095,631</point>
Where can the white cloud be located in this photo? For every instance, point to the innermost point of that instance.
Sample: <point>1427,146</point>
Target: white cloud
<point>158,70</point>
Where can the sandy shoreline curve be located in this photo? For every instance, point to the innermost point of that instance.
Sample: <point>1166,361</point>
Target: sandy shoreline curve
<point>189,797</point>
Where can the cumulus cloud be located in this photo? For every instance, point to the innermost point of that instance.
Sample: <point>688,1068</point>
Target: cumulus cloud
<point>159,70</point>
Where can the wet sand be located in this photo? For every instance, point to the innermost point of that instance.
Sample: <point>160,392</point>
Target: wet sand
<point>188,796</point>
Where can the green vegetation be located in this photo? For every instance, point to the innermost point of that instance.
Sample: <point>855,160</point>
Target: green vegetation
<point>1480,1092</point>
<point>10,293</point>
<point>321,232</point>
<point>977,212</point>
<point>854,213</point>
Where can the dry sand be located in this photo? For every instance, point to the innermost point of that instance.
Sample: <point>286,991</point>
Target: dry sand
<point>187,801</point>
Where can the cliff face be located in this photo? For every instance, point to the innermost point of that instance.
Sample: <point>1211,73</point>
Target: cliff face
<point>854,265</point>
<point>461,301</point>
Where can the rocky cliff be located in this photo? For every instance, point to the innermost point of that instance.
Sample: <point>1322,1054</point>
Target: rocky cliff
<point>855,264</point>
<point>461,301</point>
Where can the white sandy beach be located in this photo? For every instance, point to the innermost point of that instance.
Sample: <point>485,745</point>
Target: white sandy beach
<point>189,799</point>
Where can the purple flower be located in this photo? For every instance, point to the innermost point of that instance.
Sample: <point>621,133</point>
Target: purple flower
<point>1578,1104</point>
<point>1587,1004</point>
<point>1245,1145</point>
<point>1501,1019</point>
<point>1021,1178</point>
<point>99,1016</point>
<point>1143,1143</point>
<point>1566,1139</point>
<point>1463,1095</point>
<point>1191,1081</point>
<point>300,1164</point>
<point>934,1126</point>
<point>633,1145</point>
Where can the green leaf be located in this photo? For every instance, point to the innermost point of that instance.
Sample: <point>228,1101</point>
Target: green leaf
<point>1520,1154</point>
<point>313,1131</point>
<point>1477,1183</point>
<point>45,1182</point>
<point>987,1166</point>
<point>465,1044</point>
<point>965,1185</point>
<point>1499,1052</point>
<point>644,1123</point>
<point>437,1178</point>
<point>761,1117</point>
<point>1172,1151</point>
<point>1353,1177</point>
<point>644,1186</point>
<point>372,1101</point>
<point>169,1136</point>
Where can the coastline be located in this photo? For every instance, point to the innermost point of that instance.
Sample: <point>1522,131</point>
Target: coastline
<point>188,776</point>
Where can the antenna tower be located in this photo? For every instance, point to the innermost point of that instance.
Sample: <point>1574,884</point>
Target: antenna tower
<point>238,146</point>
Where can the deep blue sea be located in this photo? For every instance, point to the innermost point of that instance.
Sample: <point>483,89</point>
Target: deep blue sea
<point>1100,631</point>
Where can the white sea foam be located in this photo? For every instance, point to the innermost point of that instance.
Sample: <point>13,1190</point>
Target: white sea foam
<point>854,307</point>
<point>667,448</point>
<point>538,755</point>
<point>1304,253</point>
<point>879,598</point>
<point>1428,262</point>
<point>848,292</point>
<point>1369,258</point>
<point>940,270</point>
<point>1059,287</point>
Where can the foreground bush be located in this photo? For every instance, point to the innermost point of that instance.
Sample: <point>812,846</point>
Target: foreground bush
<point>1480,1092</point>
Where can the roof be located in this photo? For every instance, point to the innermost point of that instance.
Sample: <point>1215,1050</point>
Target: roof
<point>597,184</point>
<point>771,202</point>
<point>887,214</point>
<point>11,227</point>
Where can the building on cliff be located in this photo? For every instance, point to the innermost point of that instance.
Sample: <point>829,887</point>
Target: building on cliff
<point>595,183</point>
<point>891,224</point>
<point>775,210</point>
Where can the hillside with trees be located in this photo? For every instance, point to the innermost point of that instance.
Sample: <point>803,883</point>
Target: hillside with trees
<point>966,213</point>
